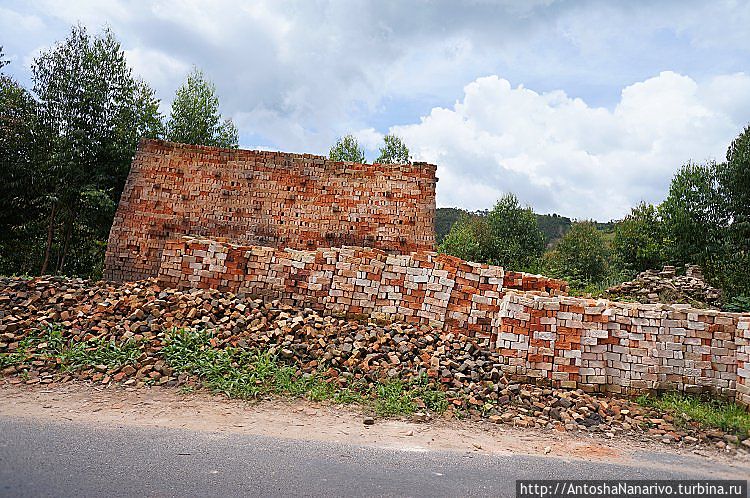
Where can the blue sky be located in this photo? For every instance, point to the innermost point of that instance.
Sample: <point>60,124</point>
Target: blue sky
<point>582,108</point>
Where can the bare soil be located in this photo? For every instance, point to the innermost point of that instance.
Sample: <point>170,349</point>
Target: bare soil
<point>301,419</point>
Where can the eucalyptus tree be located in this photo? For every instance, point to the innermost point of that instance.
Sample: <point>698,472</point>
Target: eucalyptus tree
<point>195,117</point>
<point>347,149</point>
<point>393,151</point>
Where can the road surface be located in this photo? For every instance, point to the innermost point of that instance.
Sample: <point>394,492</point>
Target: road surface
<point>43,458</point>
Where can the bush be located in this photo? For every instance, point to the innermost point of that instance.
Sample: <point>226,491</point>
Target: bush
<point>581,256</point>
<point>465,239</point>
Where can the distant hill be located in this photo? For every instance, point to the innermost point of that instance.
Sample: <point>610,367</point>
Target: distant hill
<point>553,226</point>
<point>444,220</point>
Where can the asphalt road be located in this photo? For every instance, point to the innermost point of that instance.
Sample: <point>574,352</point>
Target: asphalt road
<point>43,459</point>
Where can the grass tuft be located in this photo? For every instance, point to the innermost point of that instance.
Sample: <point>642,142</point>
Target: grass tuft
<point>714,413</point>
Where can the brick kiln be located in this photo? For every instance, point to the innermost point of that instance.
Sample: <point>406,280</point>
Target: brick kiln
<point>274,199</point>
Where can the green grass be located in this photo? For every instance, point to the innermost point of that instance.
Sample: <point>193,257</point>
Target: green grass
<point>233,371</point>
<point>398,398</point>
<point>27,349</point>
<point>72,355</point>
<point>245,373</point>
<point>713,413</point>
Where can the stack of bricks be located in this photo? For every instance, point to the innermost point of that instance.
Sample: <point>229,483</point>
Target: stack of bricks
<point>622,347</point>
<point>743,360</point>
<point>422,287</point>
<point>262,198</point>
<point>516,280</point>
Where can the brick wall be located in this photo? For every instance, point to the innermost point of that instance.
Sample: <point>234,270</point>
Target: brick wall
<point>265,198</point>
<point>600,345</point>
<point>542,334</point>
<point>419,287</point>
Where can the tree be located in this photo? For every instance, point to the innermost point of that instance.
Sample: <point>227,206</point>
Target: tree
<point>466,238</point>
<point>445,218</point>
<point>730,269</point>
<point>639,239</point>
<point>195,117</point>
<point>3,63</point>
<point>347,149</point>
<point>516,242</point>
<point>581,256</point>
<point>507,236</point>
<point>393,151</point>
<point>734,180</point>
<point>96,112</point>
<point>693,214</point>
<point>24,178</point>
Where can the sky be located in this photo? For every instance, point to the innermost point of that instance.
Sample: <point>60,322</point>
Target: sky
<point>583,108</point>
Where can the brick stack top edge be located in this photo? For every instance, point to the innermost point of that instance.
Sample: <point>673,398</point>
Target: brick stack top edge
<point>277,199</point>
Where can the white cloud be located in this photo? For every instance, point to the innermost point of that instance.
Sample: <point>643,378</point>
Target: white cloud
<point>159,69</point>
<point>559,154</point>
<point>369,138</point>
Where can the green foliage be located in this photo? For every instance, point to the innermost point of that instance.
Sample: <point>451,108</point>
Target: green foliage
<point>516,241</point>
<point>706,218</point>
<point>100,352</point>
<point>506,236</point>
<point>393,151</point>
<point>445,218</point>
<point>692,213</point>
<point>347,149</point>
<point>552,226</point>
<point>467,237</point>
<point>705,412</point>
<point>50,343</point>
<point>25,179</point>
<point>195,117</point>
<point>639,240</point>
<point>581,256</point>
<point>738,304</point>
<point>243,373</point>
<point>733,268</point>
<point>734,179</point>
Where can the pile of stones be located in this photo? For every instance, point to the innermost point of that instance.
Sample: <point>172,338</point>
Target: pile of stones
<point>665,286</point>
<point>342,351</point>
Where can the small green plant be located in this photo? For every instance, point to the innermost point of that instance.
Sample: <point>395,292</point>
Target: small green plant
<point>738,304</point>
<point>395,397</point>
<point>706,412</point>
<point>27,347</point>
<point>50,343</point>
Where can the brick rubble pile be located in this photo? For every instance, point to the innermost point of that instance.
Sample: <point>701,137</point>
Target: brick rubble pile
<point>665,286</point>
<point>467,369</point>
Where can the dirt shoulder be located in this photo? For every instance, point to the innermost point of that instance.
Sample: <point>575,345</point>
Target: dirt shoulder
<point>165,407</point>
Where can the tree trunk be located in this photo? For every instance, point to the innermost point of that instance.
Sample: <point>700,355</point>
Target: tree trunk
<point>50,238</point>
<point>66,245</point>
